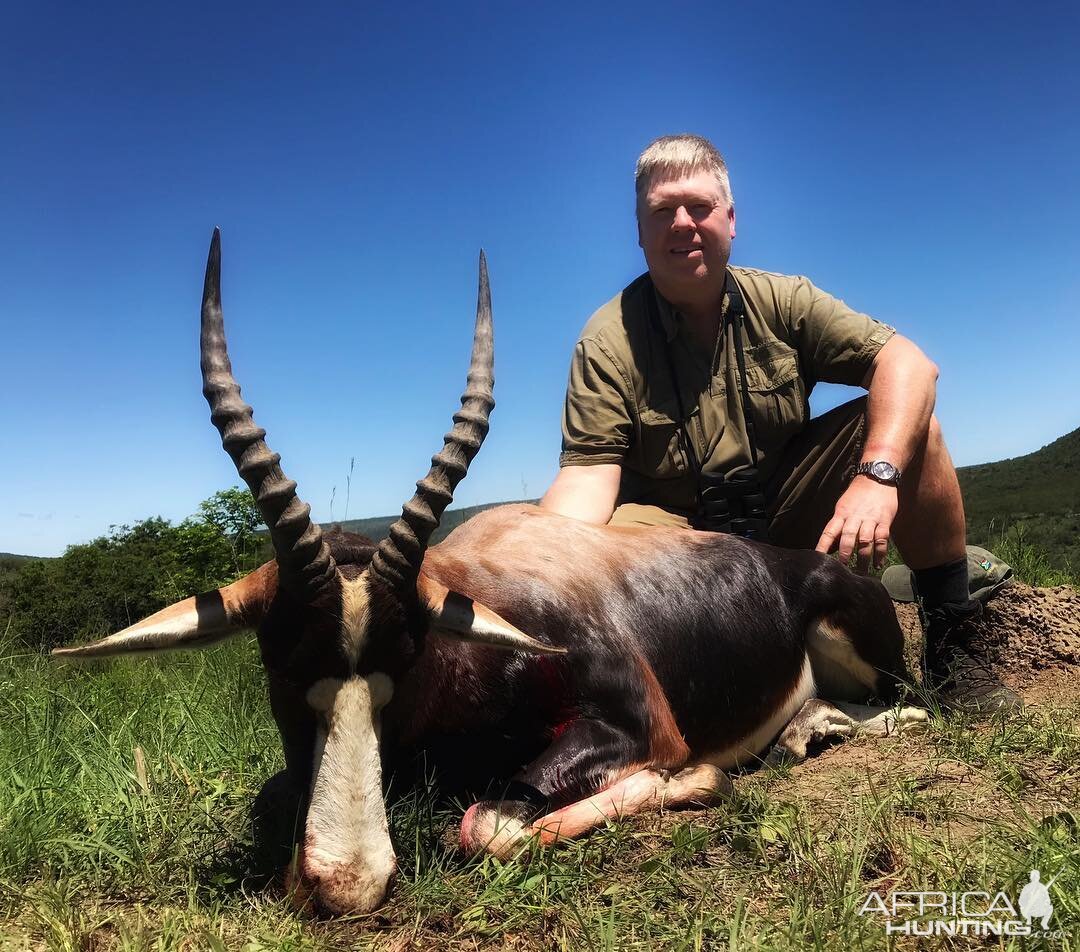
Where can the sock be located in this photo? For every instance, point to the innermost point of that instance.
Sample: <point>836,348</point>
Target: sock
<point>943,584</point>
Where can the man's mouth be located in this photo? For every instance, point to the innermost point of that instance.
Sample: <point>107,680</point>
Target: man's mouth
<point>688,249</point>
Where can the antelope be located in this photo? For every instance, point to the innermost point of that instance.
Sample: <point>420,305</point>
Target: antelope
<point>631,666</point>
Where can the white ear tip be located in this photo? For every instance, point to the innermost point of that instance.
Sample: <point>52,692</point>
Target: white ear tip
<point>82,652</point>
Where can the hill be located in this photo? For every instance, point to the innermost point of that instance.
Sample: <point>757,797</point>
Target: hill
<point>376,527</point>
<point>1039,492</point>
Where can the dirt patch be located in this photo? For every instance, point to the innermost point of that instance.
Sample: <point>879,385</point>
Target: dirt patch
<point>1031,635</point>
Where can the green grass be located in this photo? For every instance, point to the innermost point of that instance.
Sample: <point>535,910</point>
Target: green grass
<point>1030,561</point>
<point>98,852</point>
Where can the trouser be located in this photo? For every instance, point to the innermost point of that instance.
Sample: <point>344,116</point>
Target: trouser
<point>801,495</point>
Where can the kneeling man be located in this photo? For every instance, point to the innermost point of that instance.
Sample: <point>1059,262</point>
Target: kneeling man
<point>687,405</point>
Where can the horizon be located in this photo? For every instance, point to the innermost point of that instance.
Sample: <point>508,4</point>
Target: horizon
<point>347,519</point>
<point>357,161</point>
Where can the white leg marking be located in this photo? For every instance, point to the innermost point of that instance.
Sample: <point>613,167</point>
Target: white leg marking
<point>820,720</point>
<point>884,721</point>
<point>647,789</point>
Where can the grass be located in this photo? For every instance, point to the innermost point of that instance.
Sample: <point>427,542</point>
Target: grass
<point>125,825</point>
<point>1029,561</point>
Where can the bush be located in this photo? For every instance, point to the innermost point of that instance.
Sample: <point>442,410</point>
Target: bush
<point>109,583</point>
<point>1029,561</point>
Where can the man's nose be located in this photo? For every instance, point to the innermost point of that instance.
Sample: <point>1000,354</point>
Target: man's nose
<point>682,218</point>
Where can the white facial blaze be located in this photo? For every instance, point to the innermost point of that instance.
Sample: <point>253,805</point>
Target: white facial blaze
<point>355,615</point>
<point>347,845</point>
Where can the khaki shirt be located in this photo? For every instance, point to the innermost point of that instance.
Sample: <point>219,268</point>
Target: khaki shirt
<point>621,405</point>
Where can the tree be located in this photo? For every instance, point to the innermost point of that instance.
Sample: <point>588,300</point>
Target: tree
<point>109,583</point>
<point>233,513</point>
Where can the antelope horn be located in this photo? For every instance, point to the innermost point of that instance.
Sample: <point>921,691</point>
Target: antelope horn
<point>305,564</point>
<point>398,558</point>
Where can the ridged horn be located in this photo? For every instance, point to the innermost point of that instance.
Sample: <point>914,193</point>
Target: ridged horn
<point>398,558</point>
<point>305,564</point>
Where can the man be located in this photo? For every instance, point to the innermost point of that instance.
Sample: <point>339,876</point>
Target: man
<point>659,396</point>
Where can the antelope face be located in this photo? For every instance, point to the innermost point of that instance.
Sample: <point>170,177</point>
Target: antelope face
<point>328,690</point>
<point>332,685</point>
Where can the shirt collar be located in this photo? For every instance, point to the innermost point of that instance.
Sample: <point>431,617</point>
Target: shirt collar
<point>671,319</point>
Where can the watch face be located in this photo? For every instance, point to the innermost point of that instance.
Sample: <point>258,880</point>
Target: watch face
<point>882,470</point>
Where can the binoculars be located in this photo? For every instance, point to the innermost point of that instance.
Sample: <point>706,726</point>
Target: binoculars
<point>733,504</point>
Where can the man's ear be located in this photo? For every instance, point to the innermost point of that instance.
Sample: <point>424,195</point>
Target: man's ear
<point>192,623</point>
<point>460,616</point>
<point>731,219</point>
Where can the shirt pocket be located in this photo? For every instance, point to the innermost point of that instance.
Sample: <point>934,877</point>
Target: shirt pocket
<point>777,394</point>
<point>660,452</point>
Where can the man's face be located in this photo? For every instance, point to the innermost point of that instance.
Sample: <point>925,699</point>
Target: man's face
<point>685,228</point>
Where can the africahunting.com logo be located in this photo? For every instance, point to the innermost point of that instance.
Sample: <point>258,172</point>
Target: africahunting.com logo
<point>976,913</point>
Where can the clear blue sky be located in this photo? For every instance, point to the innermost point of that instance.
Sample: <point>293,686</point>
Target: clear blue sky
<point>918,160</point>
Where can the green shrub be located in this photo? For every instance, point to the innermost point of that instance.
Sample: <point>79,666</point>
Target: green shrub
<point>1030,561</point>
<point>109,583</point>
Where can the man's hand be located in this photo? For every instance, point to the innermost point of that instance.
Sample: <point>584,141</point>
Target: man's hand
<point>861,523</point>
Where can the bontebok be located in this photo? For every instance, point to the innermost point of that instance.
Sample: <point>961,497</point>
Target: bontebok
<point>629,666</point>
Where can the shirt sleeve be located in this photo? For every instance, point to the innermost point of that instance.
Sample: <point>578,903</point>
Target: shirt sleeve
<point>836,344</point>
<point>596,422</point>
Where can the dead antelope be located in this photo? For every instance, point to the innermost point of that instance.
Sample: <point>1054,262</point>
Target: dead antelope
<point>630,665</point>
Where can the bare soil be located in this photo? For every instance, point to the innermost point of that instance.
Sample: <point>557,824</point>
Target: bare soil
<point>1031,635</point>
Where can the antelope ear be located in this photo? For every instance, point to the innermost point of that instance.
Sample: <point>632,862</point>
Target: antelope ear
<point>193,623</point>
<point>471,621</point>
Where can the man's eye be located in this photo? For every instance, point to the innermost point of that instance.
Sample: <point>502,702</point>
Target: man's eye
<point>700,210</point>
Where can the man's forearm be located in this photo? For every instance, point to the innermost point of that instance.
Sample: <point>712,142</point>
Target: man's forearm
<point>902,389</point>
<point>587,493</point>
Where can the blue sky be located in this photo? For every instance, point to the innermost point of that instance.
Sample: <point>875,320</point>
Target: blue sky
<point>918,160</point>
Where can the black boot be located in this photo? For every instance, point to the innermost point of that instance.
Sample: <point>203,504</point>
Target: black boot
<point>954,665</point>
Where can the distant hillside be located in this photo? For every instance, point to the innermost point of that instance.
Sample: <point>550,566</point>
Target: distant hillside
<point>10,563</point>
<point>1040,490</point>
<point>377,527</point>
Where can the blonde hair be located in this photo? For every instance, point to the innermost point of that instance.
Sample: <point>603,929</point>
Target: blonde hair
<point>679,156</point>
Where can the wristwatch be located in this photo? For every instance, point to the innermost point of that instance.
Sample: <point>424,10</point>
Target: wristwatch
<point>879,470</point>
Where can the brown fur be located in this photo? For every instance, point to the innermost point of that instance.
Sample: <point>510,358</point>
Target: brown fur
<point>248,599</point>
<point>667,749</point>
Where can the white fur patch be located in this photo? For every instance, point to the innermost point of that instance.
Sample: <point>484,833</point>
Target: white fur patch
<point>347,848</point>
<point>355,615</point>
<point>821,721</point>
<point>181,625</point>
<point>839,671</point>
<point>501,836</point>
